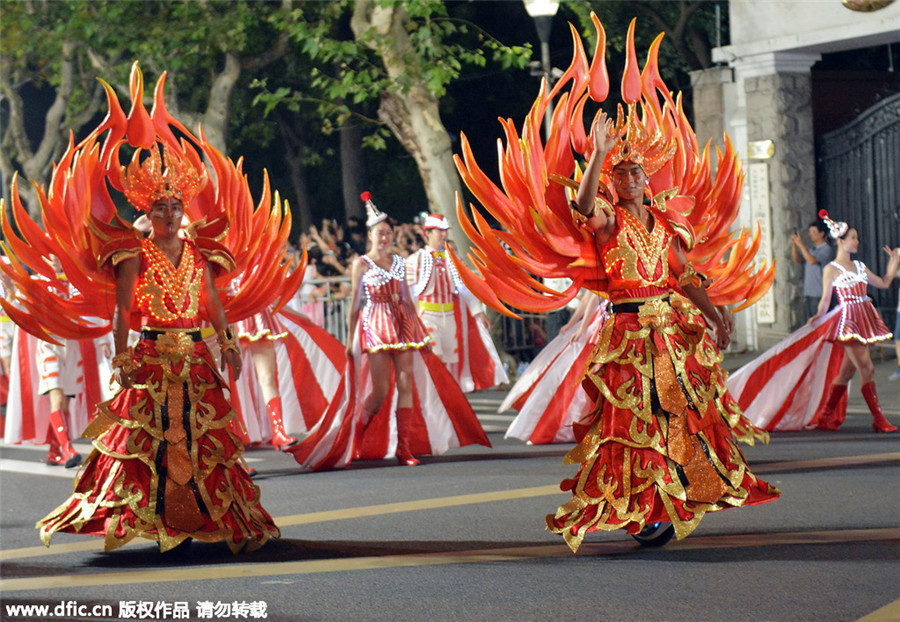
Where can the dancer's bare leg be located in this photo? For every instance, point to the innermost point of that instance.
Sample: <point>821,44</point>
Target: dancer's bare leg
<point>403,365</point>
<point>262,352</point>
<point>859,356</point>
<point>380,369</point>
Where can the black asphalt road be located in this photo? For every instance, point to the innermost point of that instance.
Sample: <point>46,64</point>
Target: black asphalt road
<point>462,537</point>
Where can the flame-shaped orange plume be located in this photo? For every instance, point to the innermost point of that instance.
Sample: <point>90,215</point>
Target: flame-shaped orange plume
<point>81,225</point>
<point>538,236</point>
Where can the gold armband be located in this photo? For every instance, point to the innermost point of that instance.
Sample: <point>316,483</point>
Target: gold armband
<point>600,205</point>
<point>227,341</point>
<point>124,361</point>
<point>576,214</point>
<point>690,277</point>
<point>605,206</point>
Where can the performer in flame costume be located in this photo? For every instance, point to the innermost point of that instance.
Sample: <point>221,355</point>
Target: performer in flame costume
<point>658,445</point>
<point>165,465</point>
<point>454,318</point>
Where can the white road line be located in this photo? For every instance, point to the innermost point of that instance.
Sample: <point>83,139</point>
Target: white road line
<point>506,418</point>
<point>42,448</point>
<point>494,428</point>
<point>35,468</point>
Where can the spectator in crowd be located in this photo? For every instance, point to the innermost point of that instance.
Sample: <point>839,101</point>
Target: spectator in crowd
<point>814,258</point>
<point>357,238</point>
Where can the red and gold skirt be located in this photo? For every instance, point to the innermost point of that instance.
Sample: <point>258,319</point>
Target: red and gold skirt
<point>658,445</point>
<point>165,466</point>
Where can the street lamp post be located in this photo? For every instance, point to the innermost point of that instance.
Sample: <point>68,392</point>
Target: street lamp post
<point>542,11</point>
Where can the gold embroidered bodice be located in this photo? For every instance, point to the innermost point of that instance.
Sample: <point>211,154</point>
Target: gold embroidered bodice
<point>167,295</point>
<point>636,261</point>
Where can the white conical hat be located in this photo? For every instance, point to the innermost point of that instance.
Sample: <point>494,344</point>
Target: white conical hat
<point>837,228</point>
<point>373,214</point>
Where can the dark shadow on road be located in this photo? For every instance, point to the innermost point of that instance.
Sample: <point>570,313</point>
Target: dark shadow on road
<point>714,549</point>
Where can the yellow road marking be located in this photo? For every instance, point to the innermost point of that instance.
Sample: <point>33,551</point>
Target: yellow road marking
<point>269,569</point>
<point>94,544</point>
<point>440,502</point>
<point>888,613</point>
<point>423,504</point>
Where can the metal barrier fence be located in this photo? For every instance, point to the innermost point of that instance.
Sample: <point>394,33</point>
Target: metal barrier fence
<point>331,310</point>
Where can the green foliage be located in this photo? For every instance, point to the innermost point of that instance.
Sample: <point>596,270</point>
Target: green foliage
<point>347,77</point>
<point>186,38</point>
<point>472,55</point>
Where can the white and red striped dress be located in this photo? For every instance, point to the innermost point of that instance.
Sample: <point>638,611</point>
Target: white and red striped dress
<point>858,318</point>
<point>787,385</point>
<point>386,321</point>
<point>447,309</point>
<point>262,325</point>
<point>442,417</point>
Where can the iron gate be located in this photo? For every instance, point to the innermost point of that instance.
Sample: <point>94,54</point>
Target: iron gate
<point>858,181</point>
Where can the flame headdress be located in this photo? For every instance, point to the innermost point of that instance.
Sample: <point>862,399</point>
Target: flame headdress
<point>82,226</point>
<point>155,178</point>
<point>539,237</point>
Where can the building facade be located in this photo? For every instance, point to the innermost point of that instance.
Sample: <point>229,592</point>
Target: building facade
<point>780,113</point>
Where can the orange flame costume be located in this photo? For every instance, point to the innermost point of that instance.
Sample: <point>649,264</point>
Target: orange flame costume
<point>532,208</point>
<point>659,442</point>
<point>166,464</point>
<point>82,226</point>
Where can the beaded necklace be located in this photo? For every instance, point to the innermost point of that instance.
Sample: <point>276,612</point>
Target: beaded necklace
<point>427,256</point>
<point>167,292</point>
<point>377,276</point>
<point>638,248</point>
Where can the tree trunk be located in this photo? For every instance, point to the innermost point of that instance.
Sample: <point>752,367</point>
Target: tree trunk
<point>353,170</point>
<point>36,164</point>
<point>215,117</point>
<point>294,151</point>
<point>412,113</point>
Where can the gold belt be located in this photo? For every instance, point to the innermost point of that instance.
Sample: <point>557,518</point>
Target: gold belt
<point>435,306</point>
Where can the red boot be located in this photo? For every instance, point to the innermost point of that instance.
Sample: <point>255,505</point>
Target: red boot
<point>404,430</point>
<point>879,423</point>
<point>280,438</point>
<point>70,457</point>
<point>362,425</point>
<point>54,457</point>
<point>827,419</point>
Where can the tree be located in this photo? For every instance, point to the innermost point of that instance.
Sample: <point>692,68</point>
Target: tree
<point>690,28</point>
<point>40,64</point>
<point>401,58</point>
<point>205,45</point>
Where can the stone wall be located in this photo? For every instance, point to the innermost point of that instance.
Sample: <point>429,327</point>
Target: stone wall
<point>779,108</point>
<point>707,88</point>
